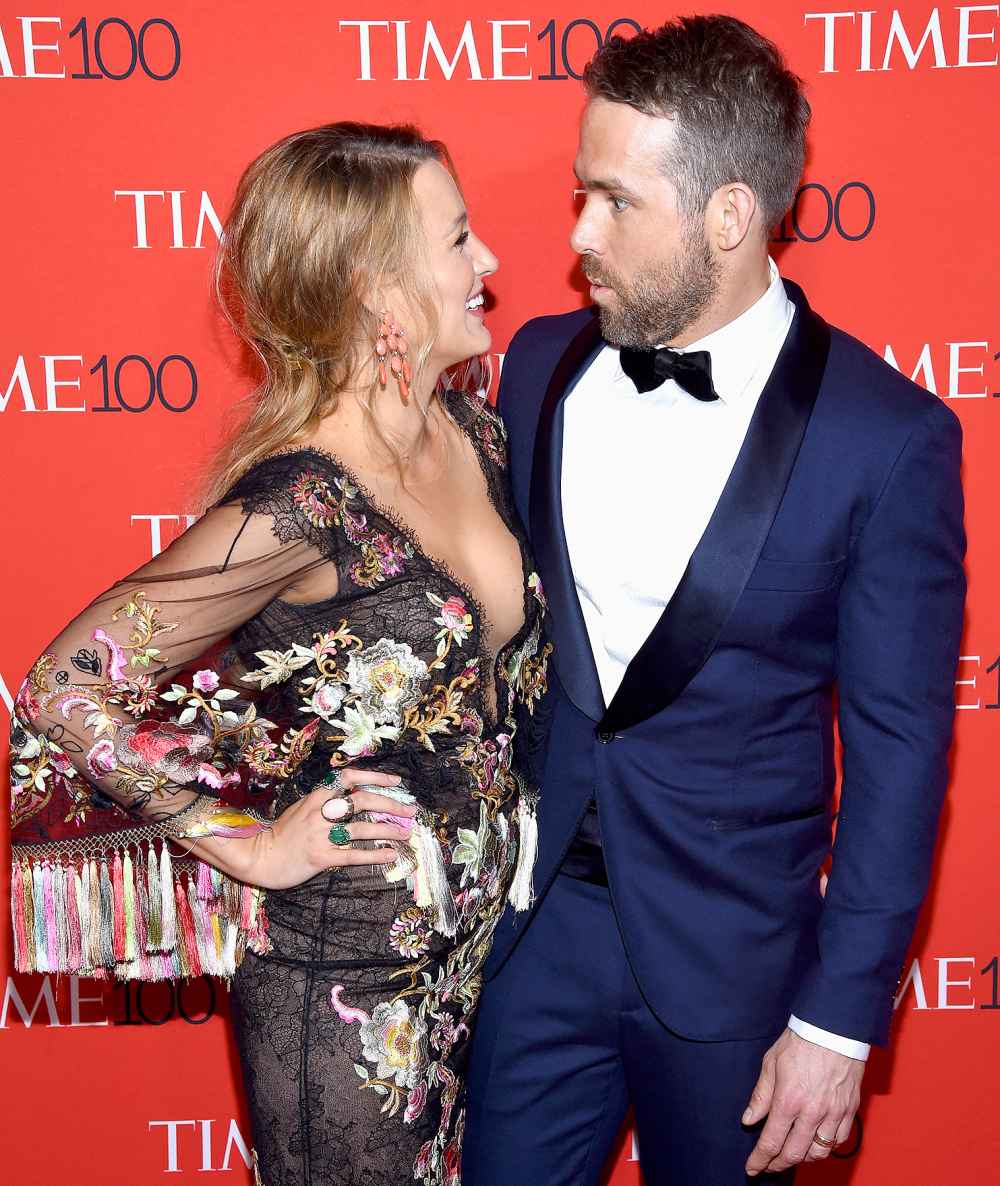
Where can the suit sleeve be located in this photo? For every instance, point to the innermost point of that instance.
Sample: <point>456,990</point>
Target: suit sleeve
<point>899,632</point>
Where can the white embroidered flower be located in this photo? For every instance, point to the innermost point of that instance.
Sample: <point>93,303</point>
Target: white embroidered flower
<point>362,734</point>
<point>325,701</point>
<point>395,1040</point>
<point>386,678</point>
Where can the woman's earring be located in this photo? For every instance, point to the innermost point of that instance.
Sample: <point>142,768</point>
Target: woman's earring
<point>390,345</point>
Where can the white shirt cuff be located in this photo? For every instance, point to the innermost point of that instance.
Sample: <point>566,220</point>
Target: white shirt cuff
<point>820,1037</point>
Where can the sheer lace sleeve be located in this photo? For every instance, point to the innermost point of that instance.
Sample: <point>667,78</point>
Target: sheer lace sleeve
<point>116,735</point>
<point>100,697</point>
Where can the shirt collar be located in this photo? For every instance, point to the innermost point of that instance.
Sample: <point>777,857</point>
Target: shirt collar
<point>738,347</point>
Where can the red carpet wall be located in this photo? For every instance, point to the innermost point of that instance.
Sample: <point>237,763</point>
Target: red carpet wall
<point>125,129</point>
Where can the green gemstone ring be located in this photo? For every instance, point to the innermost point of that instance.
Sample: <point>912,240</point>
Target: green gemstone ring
<point>339,835</point>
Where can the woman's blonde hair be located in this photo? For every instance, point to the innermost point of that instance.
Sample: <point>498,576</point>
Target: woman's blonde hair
<point>321,220</point>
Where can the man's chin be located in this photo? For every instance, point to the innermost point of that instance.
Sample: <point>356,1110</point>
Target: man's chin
<point>614,332</point>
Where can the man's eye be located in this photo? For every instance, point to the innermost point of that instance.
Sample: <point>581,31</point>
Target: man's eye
<point>462,239</point>
<point>619,204</point>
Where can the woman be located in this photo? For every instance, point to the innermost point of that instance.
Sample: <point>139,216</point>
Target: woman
<point>350,749</point>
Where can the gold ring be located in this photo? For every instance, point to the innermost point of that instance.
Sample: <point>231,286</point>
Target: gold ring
<point>826,1142</point>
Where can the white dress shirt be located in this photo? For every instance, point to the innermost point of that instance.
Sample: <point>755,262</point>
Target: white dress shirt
<point>659,453</point>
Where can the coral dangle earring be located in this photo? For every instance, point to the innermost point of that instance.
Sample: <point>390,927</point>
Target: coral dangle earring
<point>390,347</point>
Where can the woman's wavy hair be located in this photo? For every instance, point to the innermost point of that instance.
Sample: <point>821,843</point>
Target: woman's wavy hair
<point>321,220</point>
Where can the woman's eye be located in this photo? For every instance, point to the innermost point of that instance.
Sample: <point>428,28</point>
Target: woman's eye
<point>462,239</point>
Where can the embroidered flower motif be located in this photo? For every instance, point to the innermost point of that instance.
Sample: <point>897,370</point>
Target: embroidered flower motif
<point>161,747</point>
<point>416,1101</point>
<point>101,758</point>
<point>382,556</point>
<point>446,1033</point>
<point>325,702</point>
<point>535,585</point>
<point>140,695</point>
<point>205,681</point>
<point>387,679</point>
<point>217,779</point>
<point>314,498</point>
<point>395,1040</point>
<point>493,437</point>
<point>362,734</point>
<point>454,619</point>
<point>410,934</point>
<point>423,1163</point>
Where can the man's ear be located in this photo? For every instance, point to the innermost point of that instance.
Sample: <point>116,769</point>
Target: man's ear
<point>732,213</point>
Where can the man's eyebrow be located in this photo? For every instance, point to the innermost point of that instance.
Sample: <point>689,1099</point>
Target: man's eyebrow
<point>607,185</point>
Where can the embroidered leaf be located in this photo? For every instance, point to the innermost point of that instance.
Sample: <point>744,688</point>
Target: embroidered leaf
<point>362,1073</point>
<point>187,716</point>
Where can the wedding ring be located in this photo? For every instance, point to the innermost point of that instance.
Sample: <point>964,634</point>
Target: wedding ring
<point>339,835</point>
<point>826,1142</point>
<point>338,810</point>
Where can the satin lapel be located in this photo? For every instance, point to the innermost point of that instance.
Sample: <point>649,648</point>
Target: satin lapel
<point>689,627</point>
<point>572,656</point>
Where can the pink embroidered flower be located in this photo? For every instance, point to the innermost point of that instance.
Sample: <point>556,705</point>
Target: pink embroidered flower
<point>391,553</point>
<point>315,499</point>
<point>206,681</point>
<point>423,1162</point>
<point>164,748</point>
<point>454,613</point>
<point>445,1034</point>
<point>101,758</point>
<point>415,1103</point>
<point>215,778</point>
<point>452,1162</point>
<point>27,703</point>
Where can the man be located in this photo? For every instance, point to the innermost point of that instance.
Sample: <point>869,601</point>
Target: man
<point>736,511</point>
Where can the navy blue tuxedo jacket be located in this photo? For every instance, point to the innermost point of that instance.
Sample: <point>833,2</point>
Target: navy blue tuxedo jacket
<point>832,566</point>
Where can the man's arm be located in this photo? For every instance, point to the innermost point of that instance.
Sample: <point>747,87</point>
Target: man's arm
<point>900,625</point>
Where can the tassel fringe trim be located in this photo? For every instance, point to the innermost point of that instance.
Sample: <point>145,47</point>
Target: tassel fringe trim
<point>131,912</point>
<point>522,892</point>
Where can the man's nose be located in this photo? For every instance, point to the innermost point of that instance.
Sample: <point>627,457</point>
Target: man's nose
<point>582,239</point>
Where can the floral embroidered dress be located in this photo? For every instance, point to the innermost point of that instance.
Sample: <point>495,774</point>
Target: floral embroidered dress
<point>352,1003</point>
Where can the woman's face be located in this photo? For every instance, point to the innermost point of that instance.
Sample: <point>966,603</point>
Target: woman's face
<point>460,261</point>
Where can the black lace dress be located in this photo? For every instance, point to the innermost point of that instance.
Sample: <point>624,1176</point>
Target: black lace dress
<point>353,1013</point>
<point>353,1029</point>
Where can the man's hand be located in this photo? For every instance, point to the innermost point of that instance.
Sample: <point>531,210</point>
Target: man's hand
<point>803,1089</point>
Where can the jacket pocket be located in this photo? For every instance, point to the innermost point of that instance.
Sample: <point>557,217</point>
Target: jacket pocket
<point>735,823</point>
<point>794,576</point>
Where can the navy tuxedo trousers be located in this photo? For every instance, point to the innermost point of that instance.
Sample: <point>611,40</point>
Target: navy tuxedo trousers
<point>565,1043</point>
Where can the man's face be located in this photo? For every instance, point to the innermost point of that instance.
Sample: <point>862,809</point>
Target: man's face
<point>651,269</point>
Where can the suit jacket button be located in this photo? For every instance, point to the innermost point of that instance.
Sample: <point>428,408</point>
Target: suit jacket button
<point>605,735</point>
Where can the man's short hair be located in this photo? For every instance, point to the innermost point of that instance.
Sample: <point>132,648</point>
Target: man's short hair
<point>741,114</point>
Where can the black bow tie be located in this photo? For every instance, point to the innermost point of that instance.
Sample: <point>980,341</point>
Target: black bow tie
<point>649,368</point>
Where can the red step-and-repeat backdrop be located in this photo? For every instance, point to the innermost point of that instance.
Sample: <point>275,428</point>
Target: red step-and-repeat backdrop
<point>125,130</point>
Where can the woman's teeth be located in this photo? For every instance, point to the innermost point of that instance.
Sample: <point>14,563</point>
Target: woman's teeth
<point>477,302</point>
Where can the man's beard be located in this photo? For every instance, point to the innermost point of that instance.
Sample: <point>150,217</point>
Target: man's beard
<point>662,300</point>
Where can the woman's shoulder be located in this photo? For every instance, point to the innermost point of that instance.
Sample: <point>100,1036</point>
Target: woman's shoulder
<point>282,476</point>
